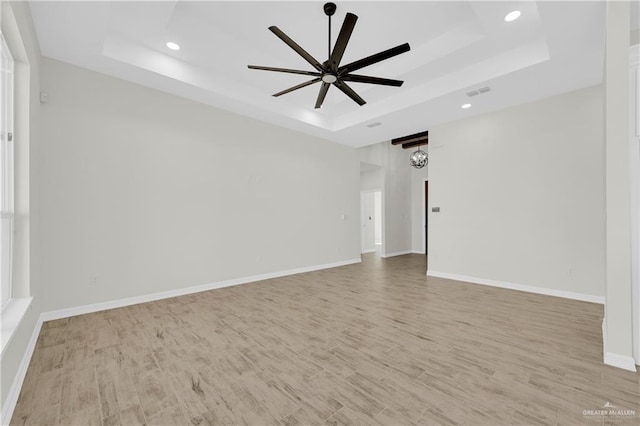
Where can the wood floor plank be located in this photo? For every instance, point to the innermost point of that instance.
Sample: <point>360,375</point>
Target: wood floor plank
<point>116,389</point>
<point>47,358</point>
<point>89,416</point>
<point>154,392</point>
<point>79,393</point>
<point>36,416</point>
<point>372,343</point>
<point>132,416</point>
<point>169,416</point>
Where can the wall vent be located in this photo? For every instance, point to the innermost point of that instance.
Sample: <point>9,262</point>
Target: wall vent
<point>376,124</point>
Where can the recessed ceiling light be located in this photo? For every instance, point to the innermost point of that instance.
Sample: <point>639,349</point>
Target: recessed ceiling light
<point>465,106</point>
<point>512,16</point>
<point>173,46</point>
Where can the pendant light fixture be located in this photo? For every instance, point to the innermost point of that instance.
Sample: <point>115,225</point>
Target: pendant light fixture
<point>418,159</point>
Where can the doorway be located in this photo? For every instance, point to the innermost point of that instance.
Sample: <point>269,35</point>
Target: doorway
<point>371,221</point>
<point>426,217</point>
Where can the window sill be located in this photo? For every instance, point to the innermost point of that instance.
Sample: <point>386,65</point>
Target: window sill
<point>11,318</point>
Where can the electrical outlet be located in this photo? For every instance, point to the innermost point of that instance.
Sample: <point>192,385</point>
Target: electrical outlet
<point>93,280</point>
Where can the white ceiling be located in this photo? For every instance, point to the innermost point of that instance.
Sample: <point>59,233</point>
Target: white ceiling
<point>456,47</point>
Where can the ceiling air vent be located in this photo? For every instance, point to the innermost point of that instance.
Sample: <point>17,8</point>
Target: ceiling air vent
<point>372,125</point>
<point>478,91</point>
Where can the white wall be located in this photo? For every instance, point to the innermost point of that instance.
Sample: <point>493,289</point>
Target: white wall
<point>149,192</point>
<point>408,211</point>
<point>377,211</point>
<point>618,309</point>
<point>372,180</point>
<point>394,163</point>
<point>521,194</point>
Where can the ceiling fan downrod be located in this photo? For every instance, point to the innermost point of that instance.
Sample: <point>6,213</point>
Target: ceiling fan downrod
<point>329,10</point>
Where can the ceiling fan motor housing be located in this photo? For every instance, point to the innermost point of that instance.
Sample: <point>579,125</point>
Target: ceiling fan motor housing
<point>329,8</point>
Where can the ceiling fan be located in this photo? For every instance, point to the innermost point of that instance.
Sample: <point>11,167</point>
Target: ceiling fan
<point>330,72</point>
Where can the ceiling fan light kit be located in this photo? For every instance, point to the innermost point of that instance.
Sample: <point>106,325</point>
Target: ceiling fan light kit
<point>330,72</point>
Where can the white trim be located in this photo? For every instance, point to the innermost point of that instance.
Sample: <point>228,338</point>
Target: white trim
<point>12,317</point>
<point>417,252</point>
<point>396,253</point>
<point>369,251</point>
<point>621,361</point>
<point>12,396</point>
<point>102,306</point>
<point>520,287</point>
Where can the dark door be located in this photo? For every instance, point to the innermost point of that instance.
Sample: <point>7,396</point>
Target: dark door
<point>426,216</point>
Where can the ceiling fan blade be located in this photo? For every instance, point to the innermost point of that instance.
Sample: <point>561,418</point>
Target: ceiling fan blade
<point>370,60</point>
<point>349,92</point>
<point>292,44</point>
<point>299,86</point>
<point>341,43</point>
<point>258,67</point>
<point>371,80</point>
<point>321,95</point>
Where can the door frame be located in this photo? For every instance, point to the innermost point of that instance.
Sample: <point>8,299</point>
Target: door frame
<point>362,192</point>
<point>425,211</point>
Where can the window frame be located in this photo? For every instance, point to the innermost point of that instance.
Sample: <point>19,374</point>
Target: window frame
<point>7,172</point>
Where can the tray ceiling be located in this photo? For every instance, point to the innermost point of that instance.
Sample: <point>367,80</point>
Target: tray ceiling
<point>456,47</point>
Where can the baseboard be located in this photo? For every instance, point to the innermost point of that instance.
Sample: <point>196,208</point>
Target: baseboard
<point>369,251</point>
<point>14,391</point>
<point>112,304</point>
<point>520,287</point>
<point>621,361</point>
<point>418,252</point>
<point>396,253</point>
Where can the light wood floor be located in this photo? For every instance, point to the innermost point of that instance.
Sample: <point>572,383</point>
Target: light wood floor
<point>373,343</point>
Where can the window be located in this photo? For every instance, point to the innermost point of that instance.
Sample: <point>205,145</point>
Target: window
<point>6,172</point>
